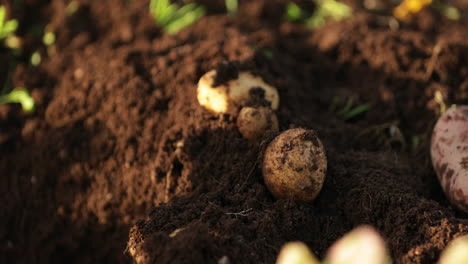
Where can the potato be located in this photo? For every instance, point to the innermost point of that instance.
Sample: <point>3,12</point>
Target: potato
<point>235,93</point>
<point>254,122</point>
<point>449,153</point>
<point>295,165</point>
<point>455,252</point>
<point>363,245</point>
<point>296,253</point>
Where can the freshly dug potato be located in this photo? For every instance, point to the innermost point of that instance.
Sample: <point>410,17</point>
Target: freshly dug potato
<point>455,252</point>
<point>295,165</point>
<point>296,253</point>
<point>363,245</point>
<point>254,122</point>
<point>449,152</point>
<point>235,93</point>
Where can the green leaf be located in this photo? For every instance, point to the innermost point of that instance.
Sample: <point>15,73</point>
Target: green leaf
<point>10,26</point>
<point>293,12</point>
<point>35,58</point>
<point>328,9</point>
<point>19,95</point>
<point>173,18</point>
<point>6,27</point>
<point>48,38</point>
<point>348,106</point>
<point>185,21</point>
<point>231,6</point>
<point>356,111</point>
<point>2,16</point>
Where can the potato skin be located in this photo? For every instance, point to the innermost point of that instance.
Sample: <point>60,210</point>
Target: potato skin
<point>234,93</point>
<point>363,245</point>
<point>296,252</point>
<point>295,165</point>
<point>449,153</point>
<point>455,252</point>
<point>254,122</point>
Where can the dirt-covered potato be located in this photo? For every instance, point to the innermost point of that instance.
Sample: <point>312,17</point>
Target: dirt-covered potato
<point>449,152</point>
<point>295,165</point>
<point>254,122</point>
<point>296,253</point>
<point>235,93</point>
<point>363,245</point>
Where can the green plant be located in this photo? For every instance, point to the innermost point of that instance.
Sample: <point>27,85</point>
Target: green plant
<point>349,110</point>
<point>324,10</point>
<point>19,95</point>
<point>72,8</point>
<point>49,38</point>
<point>293,12</point>
<point>7,28</point>
<point>327,9</point>
<point>231,6</point>
<point>172,17</point>
<point>447,10</point>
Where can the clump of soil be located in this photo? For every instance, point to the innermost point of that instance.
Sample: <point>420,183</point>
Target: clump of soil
<point>119,131</point>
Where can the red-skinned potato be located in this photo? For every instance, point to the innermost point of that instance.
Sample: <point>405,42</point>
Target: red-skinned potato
<point>295,165</point>
<point>253,122</point>
<point>449,152</point>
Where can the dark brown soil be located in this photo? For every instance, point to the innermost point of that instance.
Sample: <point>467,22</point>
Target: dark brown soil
<point>119,136</point>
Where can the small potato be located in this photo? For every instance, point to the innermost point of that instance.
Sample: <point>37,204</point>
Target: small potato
<point>296,253</point>
<point>449,152</point>
<point>295,165</point>
<point>363,245</point>
<point>456,252</point>
<point>235,93</point>
<point>254,122</point>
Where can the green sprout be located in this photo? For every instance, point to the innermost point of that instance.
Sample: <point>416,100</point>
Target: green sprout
<point>293,12</point>
<point>326,9</point>
<point>231,6</point>
<point>49,38</point>
<point>36,58</point>
<point>71,8</point>
<point>19,95</point>
<point>447,10</point>
<point>349,110</point>
<point>173,18</point>
<point>7,28</point>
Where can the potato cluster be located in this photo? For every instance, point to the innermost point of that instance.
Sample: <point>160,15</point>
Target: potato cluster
<point>294,163</point>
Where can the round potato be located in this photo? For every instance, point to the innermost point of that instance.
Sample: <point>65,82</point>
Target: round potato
<point>295,165</point>
<point>218,99</point>
<point>254,122</point>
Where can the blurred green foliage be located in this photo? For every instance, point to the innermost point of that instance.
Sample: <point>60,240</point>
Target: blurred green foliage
<point>172,17</point>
